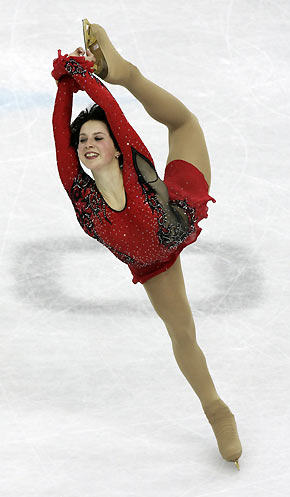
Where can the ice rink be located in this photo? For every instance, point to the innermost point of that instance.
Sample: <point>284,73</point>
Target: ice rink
<point>92,402</point>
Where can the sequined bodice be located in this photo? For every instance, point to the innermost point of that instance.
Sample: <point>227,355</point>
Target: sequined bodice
<point>152,224</point>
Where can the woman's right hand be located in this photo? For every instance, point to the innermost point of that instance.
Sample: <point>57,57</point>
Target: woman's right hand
<point>90,56</point>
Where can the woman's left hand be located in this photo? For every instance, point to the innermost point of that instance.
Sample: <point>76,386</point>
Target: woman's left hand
<point>80,52</point>
<point>77,53</point>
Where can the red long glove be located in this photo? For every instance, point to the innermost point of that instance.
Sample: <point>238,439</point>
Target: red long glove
<point>59,69</point>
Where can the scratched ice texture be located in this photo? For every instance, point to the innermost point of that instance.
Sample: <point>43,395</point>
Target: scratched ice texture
<point>92,402</point>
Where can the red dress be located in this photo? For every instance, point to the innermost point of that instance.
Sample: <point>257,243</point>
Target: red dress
<point>160,218</point>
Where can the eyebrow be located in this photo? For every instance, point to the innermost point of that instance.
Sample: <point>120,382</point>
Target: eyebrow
<point>99,132</point>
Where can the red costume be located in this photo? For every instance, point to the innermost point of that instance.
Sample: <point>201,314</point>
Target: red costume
<point>160,218</point>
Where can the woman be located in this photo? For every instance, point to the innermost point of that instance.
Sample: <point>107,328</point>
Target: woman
<point>142,220</point>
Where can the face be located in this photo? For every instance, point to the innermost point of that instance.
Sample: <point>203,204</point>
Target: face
<point>95,139</point>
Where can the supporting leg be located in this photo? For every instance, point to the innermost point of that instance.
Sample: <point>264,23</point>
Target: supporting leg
<point>192,363</point>
<point>167,295</point>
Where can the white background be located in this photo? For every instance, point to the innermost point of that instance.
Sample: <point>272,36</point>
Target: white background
<point>92,402</point>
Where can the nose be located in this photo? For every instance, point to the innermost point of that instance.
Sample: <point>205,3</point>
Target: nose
<point>88,145</point>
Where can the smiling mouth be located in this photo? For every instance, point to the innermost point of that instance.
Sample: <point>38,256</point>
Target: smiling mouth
<point>91,156</point>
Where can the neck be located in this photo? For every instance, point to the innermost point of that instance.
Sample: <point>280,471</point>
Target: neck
<point>109,180</point>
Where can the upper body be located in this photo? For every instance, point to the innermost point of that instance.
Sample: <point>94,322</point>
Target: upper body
<point>138,217</point>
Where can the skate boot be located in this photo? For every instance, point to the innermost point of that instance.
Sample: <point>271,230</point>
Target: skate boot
<point>100,66</point>
<point>224,426</point>
<point>110,65</point>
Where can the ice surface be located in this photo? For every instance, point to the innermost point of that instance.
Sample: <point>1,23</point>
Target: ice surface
<point>92,402</point>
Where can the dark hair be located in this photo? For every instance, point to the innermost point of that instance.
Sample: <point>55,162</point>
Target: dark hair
<point>95,113</point>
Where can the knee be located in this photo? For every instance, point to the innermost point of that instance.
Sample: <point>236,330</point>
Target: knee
<point>182,332</point>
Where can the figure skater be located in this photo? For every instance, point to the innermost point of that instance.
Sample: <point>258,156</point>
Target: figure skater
<point>144,221</point>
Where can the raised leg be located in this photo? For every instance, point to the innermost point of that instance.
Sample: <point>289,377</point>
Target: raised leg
<point>158,102</point>
<point>185,136</point>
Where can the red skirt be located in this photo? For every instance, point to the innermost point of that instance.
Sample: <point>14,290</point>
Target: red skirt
<point>184,182</point>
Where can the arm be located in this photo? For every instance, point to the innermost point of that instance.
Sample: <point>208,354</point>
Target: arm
<point>67,160</point>
<point>125,135</point>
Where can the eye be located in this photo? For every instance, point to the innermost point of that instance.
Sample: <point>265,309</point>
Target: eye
<point>96,138</point>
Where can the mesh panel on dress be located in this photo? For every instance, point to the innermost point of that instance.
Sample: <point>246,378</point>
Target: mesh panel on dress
<point>175,217</point>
